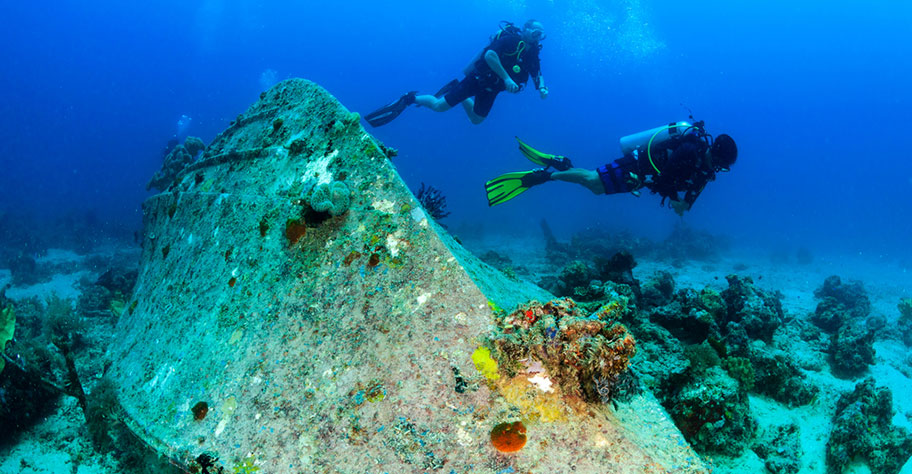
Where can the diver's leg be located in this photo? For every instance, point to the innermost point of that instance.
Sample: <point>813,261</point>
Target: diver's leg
<point>455,94</point>
<point>479,106</point>
<point>437,104</point>
<point>469,106</point>
<point>590,179</point>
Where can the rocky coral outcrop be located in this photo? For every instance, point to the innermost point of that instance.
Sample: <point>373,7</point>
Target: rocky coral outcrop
<point>713,413</point>
<point>851,295</point>
<point>843,312</point>
<point>618,269</point>
<point>905,320</point>
<point>863,429</point>
<point>852,350</point>
<point>658,290</point>
<point>779,378</point>
<point>759,312</point>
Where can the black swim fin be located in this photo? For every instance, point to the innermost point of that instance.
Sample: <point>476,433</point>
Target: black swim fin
<point>389,112</point>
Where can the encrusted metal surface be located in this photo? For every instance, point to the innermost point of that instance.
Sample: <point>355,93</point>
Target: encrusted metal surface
<point>333,343</point>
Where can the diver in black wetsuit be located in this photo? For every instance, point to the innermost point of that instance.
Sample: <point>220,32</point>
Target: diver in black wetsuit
<point>504,65</point>
<point>675,161</point>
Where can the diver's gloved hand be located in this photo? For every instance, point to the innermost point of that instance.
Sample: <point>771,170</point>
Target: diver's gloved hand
<point>535,178</point>
<point>511,85</point>
<point>680,207</point>
<point>560,163</point>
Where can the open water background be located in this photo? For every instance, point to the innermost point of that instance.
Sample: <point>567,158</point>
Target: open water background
<point>815,93</point>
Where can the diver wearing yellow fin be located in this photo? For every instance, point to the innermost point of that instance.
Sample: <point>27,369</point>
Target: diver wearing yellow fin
<point>669,160</point>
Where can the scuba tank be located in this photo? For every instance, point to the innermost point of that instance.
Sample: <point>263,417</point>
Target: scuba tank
<point>656,139</point>
<point>657,136</point>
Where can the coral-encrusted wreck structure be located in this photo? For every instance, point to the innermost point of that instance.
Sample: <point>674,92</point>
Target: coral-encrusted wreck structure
<point>297,311</point>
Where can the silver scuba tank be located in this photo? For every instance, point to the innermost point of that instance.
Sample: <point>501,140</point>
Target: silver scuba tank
<point>653,138</point>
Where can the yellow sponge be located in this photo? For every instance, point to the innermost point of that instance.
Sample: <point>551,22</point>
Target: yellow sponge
<point>485,364</point>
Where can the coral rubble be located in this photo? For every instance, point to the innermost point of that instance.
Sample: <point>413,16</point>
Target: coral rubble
<point>780,448</point>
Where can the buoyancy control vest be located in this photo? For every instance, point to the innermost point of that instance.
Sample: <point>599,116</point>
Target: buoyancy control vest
<point>513,60</point>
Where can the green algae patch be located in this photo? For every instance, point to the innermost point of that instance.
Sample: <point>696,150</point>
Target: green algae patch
<point>246,466</point>
<point>7,327</point>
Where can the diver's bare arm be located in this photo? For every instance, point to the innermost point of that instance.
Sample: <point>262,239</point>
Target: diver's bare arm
<point>587,178</point>
<point>540,85</point>
<point>494,63</point>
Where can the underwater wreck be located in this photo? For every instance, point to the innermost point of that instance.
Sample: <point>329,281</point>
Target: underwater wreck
<point>298,311</point>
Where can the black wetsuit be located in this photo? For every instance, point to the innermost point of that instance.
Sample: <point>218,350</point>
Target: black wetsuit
<point>683,170</point>
<point>484,84</point>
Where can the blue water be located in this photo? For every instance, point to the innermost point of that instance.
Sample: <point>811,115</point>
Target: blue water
<point>815,93</point>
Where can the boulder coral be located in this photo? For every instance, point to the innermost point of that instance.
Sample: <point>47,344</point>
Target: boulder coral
<point>174,162</point>
<point>194,145</point>
<point>334,198</point>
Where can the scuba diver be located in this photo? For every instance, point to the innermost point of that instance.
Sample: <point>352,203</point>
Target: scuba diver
<point>669,160</point>
<point>504,65</point>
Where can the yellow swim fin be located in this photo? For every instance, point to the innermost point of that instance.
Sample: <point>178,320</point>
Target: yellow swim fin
<point>507,186</point>
<point>558,162</point>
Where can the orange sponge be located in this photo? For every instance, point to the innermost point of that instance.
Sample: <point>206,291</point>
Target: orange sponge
<point>509,437</point>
